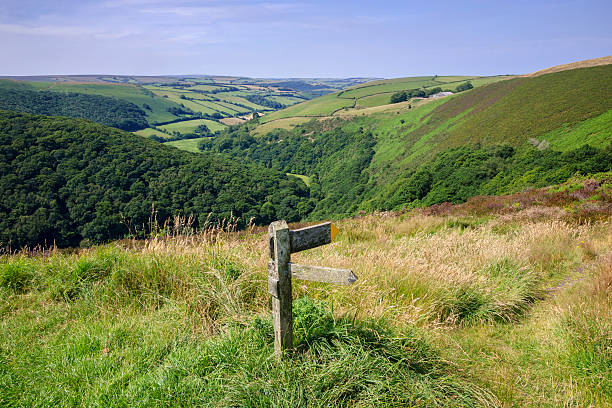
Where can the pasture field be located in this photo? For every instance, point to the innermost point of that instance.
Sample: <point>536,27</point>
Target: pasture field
<point>486,304</point>
<point>321,106</point>
<point>286,100</point>
<point>165,99</point>
<point>188,126</point>
<point>148,132</point>
<point>240,100</point>
<point>369,95</point>
<point>374,100</point>
<point>190,145</point>
<point>386,87</point>
<point>286,123</point>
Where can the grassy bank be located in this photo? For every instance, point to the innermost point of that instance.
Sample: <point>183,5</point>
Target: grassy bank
<point>464,308</point>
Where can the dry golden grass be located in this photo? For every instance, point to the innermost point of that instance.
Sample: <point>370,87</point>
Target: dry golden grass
<point>573,65</point>
<point>410,267</point>
<point>518,302</point>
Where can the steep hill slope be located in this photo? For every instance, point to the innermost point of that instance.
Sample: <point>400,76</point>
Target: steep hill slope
<point>498,138</point>
<point>65,181</point>
<point>357,99</point>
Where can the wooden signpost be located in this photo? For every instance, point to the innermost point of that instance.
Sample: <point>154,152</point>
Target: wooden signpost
<point>283,243</point>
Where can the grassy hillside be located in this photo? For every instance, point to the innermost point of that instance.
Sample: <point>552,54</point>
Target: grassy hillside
<point>503,301</point>
<point>163,103</point>
<point>516,110</point>
<point>72,182</point>
<point>494,139</point>
<point>370,94</point>
<point>102,109</point>
<point>573,65</point>
<point>156,109</point>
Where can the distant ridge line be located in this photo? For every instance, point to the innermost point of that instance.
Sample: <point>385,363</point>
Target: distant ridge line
<point>573,65</point>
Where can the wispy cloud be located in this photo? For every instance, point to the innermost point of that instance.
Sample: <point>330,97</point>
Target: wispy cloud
<point>48,30</point>
<point>190,11</point>
<point>66,31</point>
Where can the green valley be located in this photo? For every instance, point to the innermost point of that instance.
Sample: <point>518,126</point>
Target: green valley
<point>163,102</point>
<point>305,204</point>
<point>494,139</point>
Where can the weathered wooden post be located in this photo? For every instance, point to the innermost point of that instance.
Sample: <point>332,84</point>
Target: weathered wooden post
<point>279,285</point>
<point>283,242</point>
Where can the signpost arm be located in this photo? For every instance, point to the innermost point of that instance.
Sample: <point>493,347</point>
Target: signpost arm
<point>281,277</point>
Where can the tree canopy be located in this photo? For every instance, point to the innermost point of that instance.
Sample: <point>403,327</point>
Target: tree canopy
<point>102,109</point>
<point>68,180</point>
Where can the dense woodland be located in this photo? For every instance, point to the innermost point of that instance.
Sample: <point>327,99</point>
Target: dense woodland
<point>102,109</point>
<point>73,182</point>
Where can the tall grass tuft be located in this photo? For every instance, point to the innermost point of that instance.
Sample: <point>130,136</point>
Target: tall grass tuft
<point>586,328</point>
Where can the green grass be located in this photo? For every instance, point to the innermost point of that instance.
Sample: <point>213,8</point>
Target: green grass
<point>448,311</point>
<point>370,94</point>
<point>302,177</point>
<point>322,106</point>
<point>386,87</point>
<point>190,145</point>
<point>159,106</point>
<point>508,111</point>
<point>534,106</point>
<point>286,100</point>
<point>287,123</point>
<point>135,337</point>
<point>150,132</point>
<point>188,126</point>
<point>237,99</point>
<point>595,131</point>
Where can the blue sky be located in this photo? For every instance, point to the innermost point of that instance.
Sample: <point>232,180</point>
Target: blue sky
<point>299,38</point>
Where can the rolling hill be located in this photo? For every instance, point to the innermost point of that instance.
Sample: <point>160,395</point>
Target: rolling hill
<point>68,182</point>
<point>152,105</point>
<point>573,65</point>
<point>357,99</point>
<point>497,138</point>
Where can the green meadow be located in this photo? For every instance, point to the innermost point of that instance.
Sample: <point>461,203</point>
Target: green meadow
<point>190,145</point>
<point>188,126</point>
<point>474,308</point>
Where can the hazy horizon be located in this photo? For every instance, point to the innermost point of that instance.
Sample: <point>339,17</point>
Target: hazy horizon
<point>302,39</point>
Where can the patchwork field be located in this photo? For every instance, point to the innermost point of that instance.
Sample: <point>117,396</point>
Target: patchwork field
<point>190,145</point>
<point>171,99</point>
<point>363,96</point>
<point>188,126</point>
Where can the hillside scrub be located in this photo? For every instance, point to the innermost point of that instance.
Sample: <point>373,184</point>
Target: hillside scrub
<point>339,162</point>
<point>184,320</point>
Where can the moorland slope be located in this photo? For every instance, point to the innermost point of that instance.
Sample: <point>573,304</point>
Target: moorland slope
<point>497,138</point>
<point>502,301</point>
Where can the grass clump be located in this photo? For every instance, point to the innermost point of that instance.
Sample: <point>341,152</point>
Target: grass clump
<point>16,277</point>
<point>586,330</point>
<point>502,291</point>
<point>152,361</point>
<point>343,363</point>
